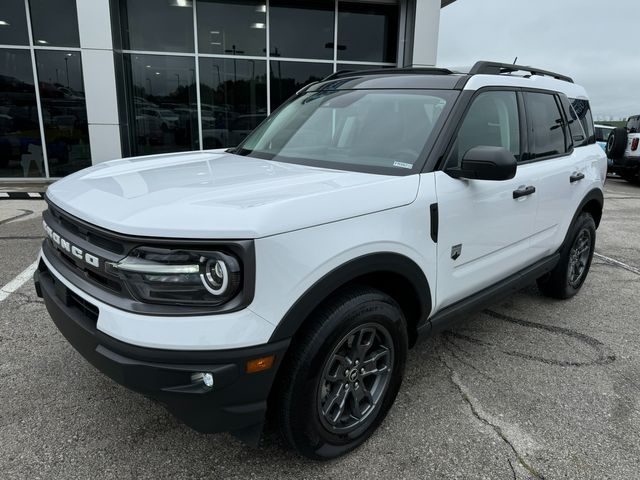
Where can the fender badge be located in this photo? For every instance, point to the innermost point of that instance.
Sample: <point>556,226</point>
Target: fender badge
<point>456,251</point>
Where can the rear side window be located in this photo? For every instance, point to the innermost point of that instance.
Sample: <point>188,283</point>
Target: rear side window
<point>546,126</point>
<point>633,125</point>
<point>583,110</point>
<point>492,121</point>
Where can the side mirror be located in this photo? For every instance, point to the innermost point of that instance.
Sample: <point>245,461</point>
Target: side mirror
<point>486,163</point>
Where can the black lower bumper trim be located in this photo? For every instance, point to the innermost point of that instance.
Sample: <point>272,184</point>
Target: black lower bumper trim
<point>236,402</point>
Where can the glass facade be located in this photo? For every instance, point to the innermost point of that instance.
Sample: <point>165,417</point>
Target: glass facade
<point>43,118</point>
<point>203,73</point>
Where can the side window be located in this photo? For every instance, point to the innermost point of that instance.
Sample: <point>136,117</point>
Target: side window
<point>546,124</point>
<point>633,124</point>
<point>583,110</point>
<point>492,121</point>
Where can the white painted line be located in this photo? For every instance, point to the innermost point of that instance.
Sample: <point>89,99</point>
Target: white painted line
<point>618,263</point>
<point>34,195</point>
<point>18,281</point>
<point>4,195</point>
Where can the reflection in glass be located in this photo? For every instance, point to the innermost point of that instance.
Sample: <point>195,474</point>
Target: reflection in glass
<point>234,99</point>
<point>165,25</point>
<point>289,77</point>
<point>232,27</point>
<point>13,23</point>
<point>367,33</point>
<point>20,144</point>
<point>355,67</point>
<point>164,110</point>
<point>54,23</point>
<point>64,111</point>
<point>301,29</point>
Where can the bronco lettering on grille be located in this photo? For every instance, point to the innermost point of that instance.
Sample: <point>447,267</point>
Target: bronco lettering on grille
<point>68,247</point>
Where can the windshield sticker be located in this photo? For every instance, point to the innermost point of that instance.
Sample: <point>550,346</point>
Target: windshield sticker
<point>402,165</point>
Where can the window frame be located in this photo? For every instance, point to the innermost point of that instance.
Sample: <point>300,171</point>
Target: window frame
<point>565,128</point>
<point>458,120</point>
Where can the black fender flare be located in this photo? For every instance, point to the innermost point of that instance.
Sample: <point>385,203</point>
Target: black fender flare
<point>595,194</point>
<point>358,267</point>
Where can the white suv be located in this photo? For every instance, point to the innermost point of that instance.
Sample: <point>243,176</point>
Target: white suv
<point>292,273</point>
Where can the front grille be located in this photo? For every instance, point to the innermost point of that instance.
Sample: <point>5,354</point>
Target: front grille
<point>89,239</point>
<point>88,310</point>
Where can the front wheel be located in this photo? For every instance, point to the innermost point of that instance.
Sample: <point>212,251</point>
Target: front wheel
<point>568,276</point>
<point>342,377</point>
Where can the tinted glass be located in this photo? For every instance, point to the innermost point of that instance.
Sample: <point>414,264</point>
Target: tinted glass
<point>583,111</point>
<point>13,23</point>
<point>492,121</point>
<point>54,22</point>
<point>20,144</point>
<point>64,111</point>
<point>232,27</point>
<point>354,67</point>
<point>633,124</point>
<point>360,128</point>
<point>546,125</point>
<point>602,134</point>
<point>289,77</point>
<point>164,110</point>
<point>578,136</point>
<point>165,25</point>
<point>367,33</point>
<point>234,99</point>
<point>302,29</point>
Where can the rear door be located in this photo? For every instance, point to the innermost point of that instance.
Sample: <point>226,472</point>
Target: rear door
<point>562,149</point>
<point>484,232</point>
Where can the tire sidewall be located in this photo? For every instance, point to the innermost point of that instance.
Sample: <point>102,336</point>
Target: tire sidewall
<point>584,222</point>
<point>314,439</point>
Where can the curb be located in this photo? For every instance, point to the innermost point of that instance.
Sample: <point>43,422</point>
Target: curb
<point>21,195</point>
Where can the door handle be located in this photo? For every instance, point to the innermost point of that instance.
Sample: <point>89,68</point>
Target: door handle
<point>576,176</point>
<point>524,191</point>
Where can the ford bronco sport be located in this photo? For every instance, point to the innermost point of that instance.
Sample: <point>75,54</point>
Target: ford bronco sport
<point>292,274</point>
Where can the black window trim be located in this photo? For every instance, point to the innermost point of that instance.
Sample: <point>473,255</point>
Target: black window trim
<point>565,128</point>
<point>450,130</point>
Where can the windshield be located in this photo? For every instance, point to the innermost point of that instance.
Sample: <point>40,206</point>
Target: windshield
<point>381,131</point>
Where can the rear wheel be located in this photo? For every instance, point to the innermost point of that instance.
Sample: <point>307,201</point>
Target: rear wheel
<point>566,279</point>
<point>343,375</point>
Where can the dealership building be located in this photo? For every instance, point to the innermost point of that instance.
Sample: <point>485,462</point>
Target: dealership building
<point>84,81</point>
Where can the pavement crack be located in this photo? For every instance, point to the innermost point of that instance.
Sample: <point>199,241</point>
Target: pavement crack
<point>476,411</point>
<point>25,213</point>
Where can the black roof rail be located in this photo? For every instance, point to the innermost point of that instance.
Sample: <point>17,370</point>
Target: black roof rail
<point>386,71</point>
<point>496,68</point>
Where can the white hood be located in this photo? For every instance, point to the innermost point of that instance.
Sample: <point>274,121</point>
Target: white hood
<point>207,195</point>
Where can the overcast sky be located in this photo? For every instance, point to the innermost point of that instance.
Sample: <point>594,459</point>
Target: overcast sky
<point>595,42</point>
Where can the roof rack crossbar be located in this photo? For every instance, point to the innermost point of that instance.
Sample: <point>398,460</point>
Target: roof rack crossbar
<point>495,68</point>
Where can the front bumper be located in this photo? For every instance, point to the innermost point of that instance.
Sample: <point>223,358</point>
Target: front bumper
<point>237,401</point>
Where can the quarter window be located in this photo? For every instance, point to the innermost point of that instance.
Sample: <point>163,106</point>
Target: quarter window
<point>492,121</point>
<point>546,125</point>
<point>583,110</point>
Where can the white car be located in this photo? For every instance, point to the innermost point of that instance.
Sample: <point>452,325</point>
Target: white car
<point>293,273</point>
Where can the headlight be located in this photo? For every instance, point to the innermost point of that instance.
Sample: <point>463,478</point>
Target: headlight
<point>179,277</point>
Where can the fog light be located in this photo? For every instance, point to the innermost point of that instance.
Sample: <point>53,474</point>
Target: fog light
<point>205,377</point>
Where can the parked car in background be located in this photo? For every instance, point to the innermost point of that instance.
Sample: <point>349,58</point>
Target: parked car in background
<point>602,135</point>
<point>623,149</point>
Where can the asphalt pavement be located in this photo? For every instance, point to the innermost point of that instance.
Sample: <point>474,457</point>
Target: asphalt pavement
<point>529,388</point>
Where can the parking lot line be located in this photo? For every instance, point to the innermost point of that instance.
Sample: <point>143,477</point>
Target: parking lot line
<point>618,263</point>
<point>18,281</point>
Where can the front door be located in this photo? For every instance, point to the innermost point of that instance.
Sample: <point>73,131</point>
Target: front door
<point>484,230</point>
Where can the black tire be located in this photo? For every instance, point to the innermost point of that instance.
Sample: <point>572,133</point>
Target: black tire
<point>617,143</point>
<point>305,408</point>
<point>566,279</point>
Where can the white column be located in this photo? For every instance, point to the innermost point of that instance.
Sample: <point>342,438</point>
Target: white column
<point>94,22</point>
<point>425,37</point>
